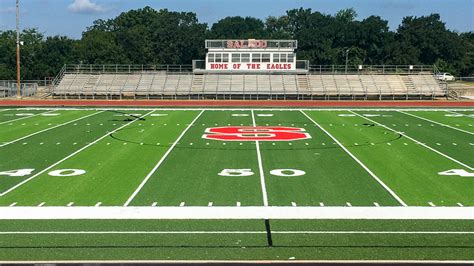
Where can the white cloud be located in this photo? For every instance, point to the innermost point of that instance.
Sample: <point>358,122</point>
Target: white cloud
<point>8,10</point>
<point>85,6</point>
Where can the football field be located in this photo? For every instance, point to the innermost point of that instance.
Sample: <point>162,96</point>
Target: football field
<point>236,184</point>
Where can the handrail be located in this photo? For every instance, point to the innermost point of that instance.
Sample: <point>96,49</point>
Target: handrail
<point>59,76</point>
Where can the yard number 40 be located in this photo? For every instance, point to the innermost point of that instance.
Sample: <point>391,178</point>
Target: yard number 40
<point>29,171</point>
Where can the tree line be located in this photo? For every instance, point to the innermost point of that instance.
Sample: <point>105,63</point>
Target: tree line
<point>148,36</point>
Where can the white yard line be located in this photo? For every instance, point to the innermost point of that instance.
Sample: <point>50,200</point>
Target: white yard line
<point>414,140</point>
<point>3,110</point>
<point>387,188</point>
<point>230,232</point>
<point>70,155</point>
<point>233,212</point>
<point>161,161</point>
<point>438,123</point>
<point>44,130</point>
<point>25,117</point>
<point>260,167</point>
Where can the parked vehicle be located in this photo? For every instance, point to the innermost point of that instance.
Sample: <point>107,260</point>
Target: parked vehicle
<point>445,77</point>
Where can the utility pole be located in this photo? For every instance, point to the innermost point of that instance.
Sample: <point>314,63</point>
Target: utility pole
<point>347,57</point>
<point>18,82</point>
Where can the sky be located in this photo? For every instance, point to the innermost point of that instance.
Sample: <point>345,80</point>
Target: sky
<point>72,17</point>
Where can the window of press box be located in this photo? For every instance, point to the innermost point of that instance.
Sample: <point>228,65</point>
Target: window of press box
<point>291,58</point>
<point>235,58</point>
<point>256,58</point>
<point>218,58</point>
<point>245,58</point>
<point>276,58</point>
<point>210,58</point>
<point>265,57</point>
<point>283,58</point>
<point>225,58</point>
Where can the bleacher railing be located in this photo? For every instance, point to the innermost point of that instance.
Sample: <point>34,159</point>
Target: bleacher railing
<point>199,64</point>
<point>111,69</point>
<point>372,69</point>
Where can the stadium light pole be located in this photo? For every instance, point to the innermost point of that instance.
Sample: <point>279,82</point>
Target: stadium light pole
<point>18,82</point>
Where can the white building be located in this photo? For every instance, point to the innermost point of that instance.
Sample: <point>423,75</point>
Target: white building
<point>251,56</point>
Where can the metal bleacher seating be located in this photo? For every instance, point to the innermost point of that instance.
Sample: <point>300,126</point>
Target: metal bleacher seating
<point>154,84</point>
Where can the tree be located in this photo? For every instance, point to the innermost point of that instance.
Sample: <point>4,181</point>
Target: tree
<point>238,28</point>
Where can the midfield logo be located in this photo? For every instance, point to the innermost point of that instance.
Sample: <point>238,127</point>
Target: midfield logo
<point>248,133</point>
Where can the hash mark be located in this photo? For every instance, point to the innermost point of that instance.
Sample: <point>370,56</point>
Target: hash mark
<point>181,204</point>
<point>98,204</point>
<point>348,204</point>
<point>209,204</point>
<point>321,204</point>
<point>293,204</point>
<point>238,203</point>
<point>459,204</point>
<point>376,204</point>
<point>70,204</point>
<point>13,204</point>
<point>41,204</point>
<point>431,204</point>
<point>154,204</point>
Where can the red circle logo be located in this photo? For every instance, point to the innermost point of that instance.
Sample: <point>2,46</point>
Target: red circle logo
<point>248,133</point>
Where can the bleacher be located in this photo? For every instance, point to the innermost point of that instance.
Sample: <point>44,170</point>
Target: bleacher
<point>165,84</point>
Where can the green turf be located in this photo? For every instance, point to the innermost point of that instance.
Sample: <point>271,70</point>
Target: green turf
<point>237,246</point>
<point>116,165</point>
<point>403,165</point>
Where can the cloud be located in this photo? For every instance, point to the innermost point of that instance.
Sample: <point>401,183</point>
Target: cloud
<point>85,7</point>
<point>8,10</point>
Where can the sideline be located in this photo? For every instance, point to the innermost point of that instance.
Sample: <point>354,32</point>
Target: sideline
<point>257,212</point>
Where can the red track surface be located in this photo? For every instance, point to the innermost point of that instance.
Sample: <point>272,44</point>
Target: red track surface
<point>240,103</point>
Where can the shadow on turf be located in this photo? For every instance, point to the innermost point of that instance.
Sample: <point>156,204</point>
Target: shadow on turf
<point>397,137</point>
<point>129,117</point>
